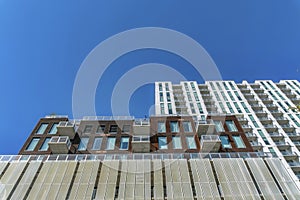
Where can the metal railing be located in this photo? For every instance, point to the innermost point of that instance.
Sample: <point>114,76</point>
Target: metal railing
<point>135,156</point>
<point>108,118</point>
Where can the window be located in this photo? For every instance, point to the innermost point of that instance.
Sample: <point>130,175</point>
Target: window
<point>174,126</point>
<point>162,108</point>
<point>88,129</point>
<point>97,143</point>
<point>237,107</point>
<point>189,96</point>
<point>168,97</point>
<point>42,129</point>
<point>45,146</point>
<point>124,143</point>
<point>53,129</point>
<point>231,126</point>
<point>225,142</point>
<point>196,96</point>
<point>193,86</point>
<point>32,144</point>
<point>161,97</point>
<point>219,126</point>
<point>239,143</point>
<point>162,143</point>
<point>160,87</point>
<point>101,129</point>
<point>170,108</point>
<point>177,142</point>
<point>200,108</point>
<point>83,144</point>
<point>161,127</point>
<point>190,140</point>
<point>263,137</point>
<point>167,87</point>
<point>113,128</point>
<point>192,108</point>
<point>229,106</point>
<point>110,145</point>
<point>238,96</point>
<point>245,107</point>
<point>126,128</point>
<point>187,127</point>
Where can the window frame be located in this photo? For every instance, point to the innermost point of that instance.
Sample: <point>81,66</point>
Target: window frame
<point>34,145</point>
<point>41,130</point>
<point>83,141</point>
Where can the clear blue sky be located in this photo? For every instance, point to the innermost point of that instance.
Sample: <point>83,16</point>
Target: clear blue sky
<point>43,43</point>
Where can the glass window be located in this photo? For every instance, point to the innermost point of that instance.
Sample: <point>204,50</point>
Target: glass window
<point>53,129</point>
<point>42,129</point>
<point>161,97</point>
<point>200,108</point>
<point>196,96</point>
<point>161,127</point>
<point>177,142</point>
<point>113,128</point>
<point>126,128</point>
<point>225,142</point>
<point>263,137</point>
<point>170,108</point>
<point>168,97</point>
<point>124,143</point>
<point>239,143</point>
<point>110,145</point>
<point>97,143</point>
<point>231,126</point>
<point>160,86</point>
<point>167,87</point>
<point>187,127</point>
<point>88,129</point>
<point>219,126</point>
<point>101,129</point>
<point>45,146</point>
<point>162,143</point>
<point>162,108</point>
<point>174,126</point>
<point>192,108</point>
<point>32,144</point>
<point>83,144</point>
<point>190,140</point>
<point>189,96</point>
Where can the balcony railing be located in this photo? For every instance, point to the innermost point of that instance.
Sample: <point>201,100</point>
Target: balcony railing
<point>107,118</point>
<point>135,156</point>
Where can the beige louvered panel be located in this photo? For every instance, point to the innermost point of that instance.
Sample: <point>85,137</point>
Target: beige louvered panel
<point>158,190</point>
<point>147,168</point>
<point>204,181</point>
<point>74,191</point>
<point>123,177</point>
<point>147,191</point>
<point>81,193</point>
<point>91,181</point>
<point>101,191</point>
<point>77,181</point>
<point>264,179</point>
<point>225,177</point>
<point>121,193</point>
<point>63,190</point>
<point>12,174</point>
<point>53,191</point>
<point>37,186</point>
<point>283,178</point>
<point>66,181</point>
<point>187,191</point>
<point>2,166</point>
<point>108,179</point>
<point>26,180</point>
<point>170,191</point>
<point>129,191</point>
<point>139,191</point>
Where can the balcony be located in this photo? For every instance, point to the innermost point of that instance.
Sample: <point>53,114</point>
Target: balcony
<point>276,135</point>
<point>256,145</point>
<point>242,120</point>
<point>59,144</point>
<point>250,136</point>
<point>281,120</point>
<point>66,128</point>
<point>271,106</point>
<point>245,90</point>
<point>289,155</point>
<point>258,89</point>
<point>253,100</point>
<point>140,144</point>
<point>141,127</point>
<point>210,143</point>
<point>205,127</point>
<point>265,120</point>
<point>270,127</point>
<point>282,145</point>
<point>295,165</point>
<point>290,95</point>
<point>206,96</point>
<point>246,128</point>
<point>262,95</point>
<point>266,100</point>
<point>288,127</point>
<point>293,135</point>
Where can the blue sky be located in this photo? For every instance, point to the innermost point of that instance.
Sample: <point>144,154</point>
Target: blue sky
<point>43,43</point>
